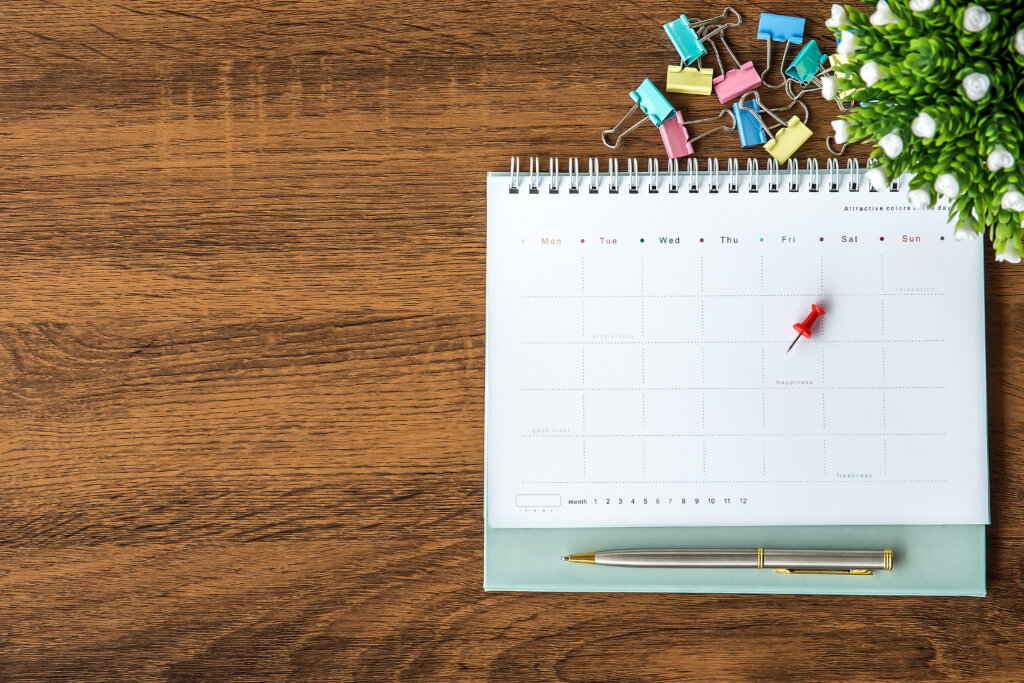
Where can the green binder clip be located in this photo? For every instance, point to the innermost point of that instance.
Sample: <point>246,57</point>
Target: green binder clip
<point>805,66</point>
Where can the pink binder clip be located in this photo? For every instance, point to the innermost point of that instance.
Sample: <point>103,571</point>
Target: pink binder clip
<point>676,137</point>
<point>731,84</point>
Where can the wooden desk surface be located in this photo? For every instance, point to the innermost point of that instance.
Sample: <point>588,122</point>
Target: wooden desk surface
<point>242,354</point>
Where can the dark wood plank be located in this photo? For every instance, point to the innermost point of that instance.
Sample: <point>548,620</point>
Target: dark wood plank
<point>241,355</point>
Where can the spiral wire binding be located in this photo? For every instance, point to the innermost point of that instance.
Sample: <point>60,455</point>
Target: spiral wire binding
<point>792,168</point>
<point>633,170</point>
<point>734,175</point>
<point>833,175</point>
<point>694,176</point>
<point>653,176</point>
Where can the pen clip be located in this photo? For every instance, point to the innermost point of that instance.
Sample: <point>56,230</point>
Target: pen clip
<point>846,572</point>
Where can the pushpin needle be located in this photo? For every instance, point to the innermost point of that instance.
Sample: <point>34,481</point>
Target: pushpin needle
<point>804,329</point>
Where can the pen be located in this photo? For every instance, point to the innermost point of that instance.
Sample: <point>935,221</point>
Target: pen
<point>853,562</point>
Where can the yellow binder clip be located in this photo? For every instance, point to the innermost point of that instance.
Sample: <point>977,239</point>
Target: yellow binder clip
<point>791,134</point>
<point>689,80</point>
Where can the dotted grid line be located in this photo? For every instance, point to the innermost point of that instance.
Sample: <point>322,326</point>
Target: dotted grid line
<point>773,387</point>
<point>824,458</point>
<point>764,409</point>
<point>885,459</point>
<point>583,365</point>
<point>834,295</point>
<point>583,319</point>
<point>583,411</point>
<point>740,341</point>
<point>721,434</point>
<point>749,481</point>
<point>584,458</point>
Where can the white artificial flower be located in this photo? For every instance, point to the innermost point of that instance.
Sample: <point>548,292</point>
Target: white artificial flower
<point>967,229</point>
<point>947,185</point>
<point>847,43</point>
<point>920,199</point>
<point>1018,42</point>
<point>883,15</point>
<point>875,178</point>
<point>838,17</point>
<point>921,5</point>
<point>976,86</point>
<point>829,87</point>
<point>1008,253</point>
<point>976,18</point>
<point>923,125</point>
<point>842,131</point>
<point>891,144</point>
<point>872,73</point>
<point>1012,201</point>
<point>999,159</point>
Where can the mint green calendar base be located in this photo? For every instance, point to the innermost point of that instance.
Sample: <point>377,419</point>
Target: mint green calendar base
<point>927,560</point>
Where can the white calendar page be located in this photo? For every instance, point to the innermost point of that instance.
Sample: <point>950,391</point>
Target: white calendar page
<point>637,371</point>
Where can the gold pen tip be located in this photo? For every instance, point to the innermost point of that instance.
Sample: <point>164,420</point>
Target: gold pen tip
<point>565,558</point>
<point>584,558</point>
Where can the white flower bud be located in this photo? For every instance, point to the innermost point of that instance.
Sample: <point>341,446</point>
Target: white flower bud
<point>838,17</point>
<point>891,144</point>
<point>829,87</point>
<point>919,199</point>
<point>842,131</point>
<point>1018,42</point>
<point>921,5</point>
<point>967,228</point>
<point>976,18</point>
<point>875,178</point>
<point>1008,253</point>
<point>1012,201</point>
<point>847,43</point>
<point>947,185</point>
<point>1000,159</point>
<point>883,15</point>
<point>872,73</point>
<point>923,125</point>
<point>976,86</point>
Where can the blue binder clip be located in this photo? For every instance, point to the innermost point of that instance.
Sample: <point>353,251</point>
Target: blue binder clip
<point>651,102</point>
<point>685,39</point>
<point>781,28</point>
<point>749,124</point>
<point>806,64</point>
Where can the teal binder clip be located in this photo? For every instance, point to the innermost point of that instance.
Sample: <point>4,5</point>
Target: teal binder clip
<point>806,64</point>
<point>685,39</point>
<point>651,102</point>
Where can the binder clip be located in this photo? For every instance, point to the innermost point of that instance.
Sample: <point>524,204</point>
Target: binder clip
<point>685,39</point>
<point>749,125</point>
<point>690,140</point>
<point>689,80</point>
<point>675,137</point>
<point>731,84</point>
<point>806,65</point>
<point>792,134</point>
<point>780,28</point>
<point>651,102</point>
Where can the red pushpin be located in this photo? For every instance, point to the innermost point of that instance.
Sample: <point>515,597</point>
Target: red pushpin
<point>804,328</point>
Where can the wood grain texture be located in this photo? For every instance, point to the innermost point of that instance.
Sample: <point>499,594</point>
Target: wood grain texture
<point>242,350</point>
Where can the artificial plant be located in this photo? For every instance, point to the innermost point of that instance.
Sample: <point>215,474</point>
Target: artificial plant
<point>939,87</point>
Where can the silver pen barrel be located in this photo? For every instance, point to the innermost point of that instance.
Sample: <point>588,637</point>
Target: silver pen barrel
<point>795,561</point>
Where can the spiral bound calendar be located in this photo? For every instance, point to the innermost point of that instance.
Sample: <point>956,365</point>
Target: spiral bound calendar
<point>637,372</point>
